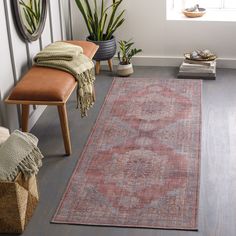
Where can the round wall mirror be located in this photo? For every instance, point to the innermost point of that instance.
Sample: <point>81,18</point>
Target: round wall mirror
<point>30,17</point>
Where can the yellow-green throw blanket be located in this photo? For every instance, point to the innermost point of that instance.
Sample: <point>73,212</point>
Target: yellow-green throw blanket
<point>70,58</point>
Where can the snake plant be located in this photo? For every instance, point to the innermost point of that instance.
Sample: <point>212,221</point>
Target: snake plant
<point>32,14</point>
<point>127,52</point>
<point>101,21</point>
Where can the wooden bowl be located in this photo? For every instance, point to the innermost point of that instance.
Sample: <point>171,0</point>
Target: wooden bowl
<point>194,14</point>
<point>211,58</point>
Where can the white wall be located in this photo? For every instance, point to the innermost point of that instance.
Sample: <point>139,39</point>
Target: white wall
<point>164,42</point>
<point>16,56</point>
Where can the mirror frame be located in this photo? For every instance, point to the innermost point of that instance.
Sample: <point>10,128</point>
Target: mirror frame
<point>19,21</point>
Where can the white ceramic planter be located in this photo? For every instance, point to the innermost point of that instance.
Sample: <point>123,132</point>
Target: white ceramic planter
<point>125,70</point>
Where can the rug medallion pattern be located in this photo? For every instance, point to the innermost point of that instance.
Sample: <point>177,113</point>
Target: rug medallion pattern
<point>140,167</point>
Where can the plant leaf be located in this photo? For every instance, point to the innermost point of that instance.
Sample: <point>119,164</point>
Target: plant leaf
<point>85,15</point>
<point>115,6</point>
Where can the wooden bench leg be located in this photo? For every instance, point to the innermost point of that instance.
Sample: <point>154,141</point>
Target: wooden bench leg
<point>110,64</point>
<point>98,65</point>
<point>65,128</point>
<point>25,118</point>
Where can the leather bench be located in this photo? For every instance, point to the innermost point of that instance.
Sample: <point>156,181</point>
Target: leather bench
<point>46,86</point>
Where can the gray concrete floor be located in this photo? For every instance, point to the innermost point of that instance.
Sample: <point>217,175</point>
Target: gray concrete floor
<point>217,212</point>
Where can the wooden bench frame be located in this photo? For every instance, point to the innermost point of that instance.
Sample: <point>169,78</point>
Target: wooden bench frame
<point>62,111</point>
<point>61,107</point>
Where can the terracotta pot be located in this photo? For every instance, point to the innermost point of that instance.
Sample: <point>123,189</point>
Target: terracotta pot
<point>125,70</point>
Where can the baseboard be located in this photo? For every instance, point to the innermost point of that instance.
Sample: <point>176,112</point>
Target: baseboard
<point>228,63</point>
<point>176,61</point>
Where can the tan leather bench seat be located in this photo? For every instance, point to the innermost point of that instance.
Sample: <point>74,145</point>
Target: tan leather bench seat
<point>46,84</point>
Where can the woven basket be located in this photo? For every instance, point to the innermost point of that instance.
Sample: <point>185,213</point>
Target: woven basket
<point>195,13</point>
<point>18,201</point>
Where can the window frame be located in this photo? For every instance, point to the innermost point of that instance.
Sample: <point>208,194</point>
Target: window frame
<point>221,7</point>
<point>174,13</point>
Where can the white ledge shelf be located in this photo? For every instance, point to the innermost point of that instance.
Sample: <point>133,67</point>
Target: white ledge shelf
<point>211,15</point>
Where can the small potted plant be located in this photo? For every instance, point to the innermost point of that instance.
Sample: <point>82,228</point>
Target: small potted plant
<point>102,20</point>
<point>125,67</point>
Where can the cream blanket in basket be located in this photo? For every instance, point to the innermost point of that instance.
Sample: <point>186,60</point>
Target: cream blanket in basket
<point>19,153</point>
<point>4,134</point>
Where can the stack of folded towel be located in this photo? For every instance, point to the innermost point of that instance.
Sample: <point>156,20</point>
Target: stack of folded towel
<point>19,153</point>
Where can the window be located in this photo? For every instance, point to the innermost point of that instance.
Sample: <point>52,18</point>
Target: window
<point>217,10</point>
<point>209,4</point>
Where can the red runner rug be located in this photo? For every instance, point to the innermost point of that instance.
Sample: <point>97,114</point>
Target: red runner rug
<point>140,167</point>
